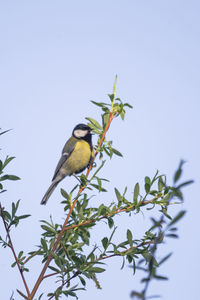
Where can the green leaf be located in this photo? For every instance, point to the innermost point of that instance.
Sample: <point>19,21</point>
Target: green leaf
<point>159,277</point>
<point>23,217</point>
<point>101,104</point>
<point>82,280</point>
<point>165,258</point>
<point>137,295</point>
<point>44,245</point>
<point>64,194</point>
<point>147,180</point>
<point>172,235</point>
<point>147,187</point>
<point>110,222</point>
<point>118,195</point>
<point>177,218</point>
<point>7,160</point>
<point>116,152</point>
<point>130,237</point>
<point>128,105</point>
<point>14,264</point>
<point>185,183</point>
<point>105,119</point>
<point>100,189</point>
<point>111,96</point>
<point>13,209</point>
<point>104,242</point>
<point>122,114</point>
<point>20,254</point>
<point>179,171</point>
<point>123,262</point>
<point>96,270</point>
<point>160,184</point>
<point>95,123</point>
<point>9,177</point>
<point>136,193</point>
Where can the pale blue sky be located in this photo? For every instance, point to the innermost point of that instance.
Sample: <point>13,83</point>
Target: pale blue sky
<point>55,56</point>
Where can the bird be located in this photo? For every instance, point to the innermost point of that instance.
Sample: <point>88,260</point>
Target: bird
<point>77,155</point>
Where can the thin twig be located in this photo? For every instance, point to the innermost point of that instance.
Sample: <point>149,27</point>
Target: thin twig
<point>117,211</point>
<point>13,251</point>
<point>49,275</point>
<point>64,283</point>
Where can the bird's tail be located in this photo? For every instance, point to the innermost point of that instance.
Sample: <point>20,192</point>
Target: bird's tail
<point>49,192</point>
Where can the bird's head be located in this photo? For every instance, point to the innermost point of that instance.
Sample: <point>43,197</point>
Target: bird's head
<point>81,131</point>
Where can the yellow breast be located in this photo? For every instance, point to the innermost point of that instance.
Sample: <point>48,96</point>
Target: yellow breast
<point>80,157</point>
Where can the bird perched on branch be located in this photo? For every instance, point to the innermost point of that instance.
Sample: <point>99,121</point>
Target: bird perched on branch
<point>76,156</point>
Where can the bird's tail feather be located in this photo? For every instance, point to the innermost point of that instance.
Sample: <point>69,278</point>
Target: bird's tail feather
<point>49,192</point>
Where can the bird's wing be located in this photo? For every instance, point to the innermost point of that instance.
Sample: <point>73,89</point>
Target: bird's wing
<point>67,150</point>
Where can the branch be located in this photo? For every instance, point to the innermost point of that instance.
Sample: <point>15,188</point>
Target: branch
<point>13,251</point>
<point>41,276</point>
<point>117,211</point>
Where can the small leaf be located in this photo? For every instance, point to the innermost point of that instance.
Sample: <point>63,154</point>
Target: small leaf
<point>23,217</point>
<point>64,194</point>
<point>118,195</point>
<point>95,123</point>
<point>129,237</point>
<point>110,222</point>
<point>9,177</point>
<point>160,277</point>
<point>101,104</point>
<point>172,235</point>
<point>147,180</point>
<point>165,258</point>
<point>179,171</point>
<point>8,159</point>
<point>44,245</point>
<point>160,184</point>
<point>96,270</point>
<point>13,209</point>
<point>105,119</point>
<point>147,187</point>
<point>14,264</point>
<point>128,105</point>
<point>104,242</point>
<point>116,152</point>
<point>136,193</point>
<point>185,183</point>
<point>20,254</point>
<point>82,280</point>
<point>122,114</point>
<point>177,218</point>
<point>111,96</point>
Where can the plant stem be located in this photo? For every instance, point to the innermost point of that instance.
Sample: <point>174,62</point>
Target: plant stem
<point>13,251</point>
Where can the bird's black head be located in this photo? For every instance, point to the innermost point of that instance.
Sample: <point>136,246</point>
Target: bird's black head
<point>82,131</point>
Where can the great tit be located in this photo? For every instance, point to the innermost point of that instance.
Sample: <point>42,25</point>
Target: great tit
<point>76,156</point>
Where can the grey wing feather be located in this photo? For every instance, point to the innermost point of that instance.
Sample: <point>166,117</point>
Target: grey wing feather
<point>67,150</point>
<point>62,160</point>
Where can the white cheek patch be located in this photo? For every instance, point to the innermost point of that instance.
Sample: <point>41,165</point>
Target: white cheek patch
<point>80,133</point>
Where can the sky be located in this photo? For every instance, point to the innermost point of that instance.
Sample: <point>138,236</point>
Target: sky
<point>55,57</point>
